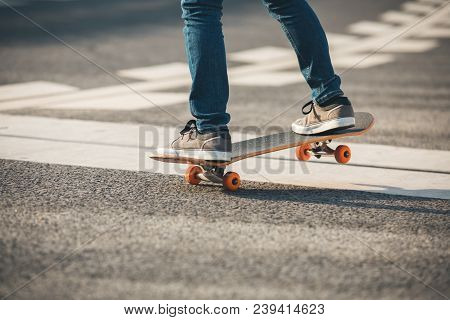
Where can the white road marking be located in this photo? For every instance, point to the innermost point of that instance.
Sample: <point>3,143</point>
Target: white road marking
<point>410,45</point>
<point>435,32</point>
<point>97,97</point>
<point>170,70</point>
<point>371,28</point>
<point>336,40</point>
<point>417,7</point>
<point>436,2</point>
<point>126,146</point>
<point>399,17</point>
<point>377,28</point>
<point>268,79</point>
<point>32,89</point>
<point>128,101</point>
<point>240,76</point>
<point>262,55</point>
<point>362,61</point>
<point>86,95</point>
<point>347,50</point>
<point>368,44</point>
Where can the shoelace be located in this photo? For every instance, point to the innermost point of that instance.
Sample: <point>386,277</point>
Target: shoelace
<point>309,104</point>
<point>189,129</point>
<point>190,125</point>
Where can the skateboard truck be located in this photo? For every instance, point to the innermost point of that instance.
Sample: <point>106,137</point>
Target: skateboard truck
<point>196,173</point>
<point>342,153</point>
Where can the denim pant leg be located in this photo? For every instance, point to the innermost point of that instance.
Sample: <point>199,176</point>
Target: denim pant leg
<point>304,31</point>
<point>205,50</point>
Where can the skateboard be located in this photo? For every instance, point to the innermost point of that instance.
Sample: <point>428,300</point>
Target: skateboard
<point>316,145</point>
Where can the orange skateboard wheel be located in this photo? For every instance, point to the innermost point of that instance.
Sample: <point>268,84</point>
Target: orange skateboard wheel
<point>303,152</point>
<point>342,154</point>
<point>191,174</point>
<point>231,181</point>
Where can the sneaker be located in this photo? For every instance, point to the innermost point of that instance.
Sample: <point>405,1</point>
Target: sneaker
<point>192,144</point>
<point>338,113</point>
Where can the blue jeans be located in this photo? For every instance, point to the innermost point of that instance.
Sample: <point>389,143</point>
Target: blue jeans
<point>205,50</point>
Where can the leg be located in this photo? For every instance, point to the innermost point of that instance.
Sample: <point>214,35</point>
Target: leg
<point>329,109</point>
<point>205,50</point>
<point>304,31</point>
<point>207,137</point>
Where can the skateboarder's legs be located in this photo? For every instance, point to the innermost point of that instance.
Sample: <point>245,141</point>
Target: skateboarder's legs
<point>207,137</point>
<point>205,51</point>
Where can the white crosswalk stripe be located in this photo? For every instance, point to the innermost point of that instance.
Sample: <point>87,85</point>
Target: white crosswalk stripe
<point>125,101</point>
<point>159,72</point>
<point>417,7</point>
<point>32,89</point>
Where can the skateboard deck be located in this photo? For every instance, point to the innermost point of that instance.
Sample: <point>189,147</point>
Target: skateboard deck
<point>279,141</point>
<point>307,146</point>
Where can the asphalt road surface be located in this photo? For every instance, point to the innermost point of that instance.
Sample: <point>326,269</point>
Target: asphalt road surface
<point>79,230</point>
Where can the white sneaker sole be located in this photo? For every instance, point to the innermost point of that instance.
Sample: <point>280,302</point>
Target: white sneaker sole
<point>323,126</point>
<point>194,154</point>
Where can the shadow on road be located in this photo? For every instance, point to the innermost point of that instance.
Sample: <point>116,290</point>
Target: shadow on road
<point>344,198</point>
<point>83,18</point>
<point>87,19</point>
